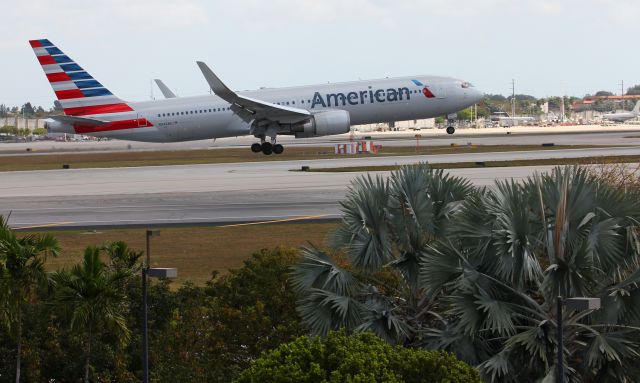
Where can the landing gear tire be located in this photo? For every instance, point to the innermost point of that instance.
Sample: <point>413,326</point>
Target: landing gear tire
<point>266,148</point>
<point>256,148</point>
<point>451,130</point>
<point>278,149</point>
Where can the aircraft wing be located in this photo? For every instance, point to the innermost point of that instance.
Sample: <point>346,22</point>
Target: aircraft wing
<point>250,108</point>
<point>166,92</point>
<point>71,120</point>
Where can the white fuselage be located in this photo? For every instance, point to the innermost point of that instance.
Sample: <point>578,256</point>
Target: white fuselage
<point>620,117</point>
<point>375,101</point>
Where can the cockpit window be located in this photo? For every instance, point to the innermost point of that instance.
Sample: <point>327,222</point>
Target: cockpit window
<point>467,85</point>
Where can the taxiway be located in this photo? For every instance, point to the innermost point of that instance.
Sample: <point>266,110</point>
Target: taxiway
<point>220,193</point>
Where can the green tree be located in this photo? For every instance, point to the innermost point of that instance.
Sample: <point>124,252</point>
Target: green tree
<point>21,272</point>
<point>480,270</point>
<point>213,333</point>
<point>515,248</point>
<point>93,296</point>
<point>465,114</point>
<point>358,358</point>
<point>39,131</point>
<point>27,110</point>
<point>9,130</point>
<point>603,93</point>
<point>634,90</point>
<point>122,257</point>
<point>388,225</point>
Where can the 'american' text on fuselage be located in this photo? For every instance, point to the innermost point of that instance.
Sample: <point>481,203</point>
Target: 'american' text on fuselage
<point>355,98</point>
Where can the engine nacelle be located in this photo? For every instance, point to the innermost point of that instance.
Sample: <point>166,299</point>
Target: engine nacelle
<point>53,126</point>
<point>324,124</point>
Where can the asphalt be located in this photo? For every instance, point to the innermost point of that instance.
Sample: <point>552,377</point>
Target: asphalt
<point>560,135</point>
<point>219,193</point>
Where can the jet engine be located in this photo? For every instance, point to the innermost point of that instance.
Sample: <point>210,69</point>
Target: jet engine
<point>324,124</point>
<point>53,126</point>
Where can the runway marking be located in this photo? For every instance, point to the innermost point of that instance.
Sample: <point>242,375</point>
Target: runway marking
<point>43,225</point>
<point>277,220</point>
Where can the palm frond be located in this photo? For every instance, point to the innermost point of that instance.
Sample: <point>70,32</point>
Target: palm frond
<point>324,311</point>
<point>317,270</point>
<point>364,231</point>
<point>380,318</point>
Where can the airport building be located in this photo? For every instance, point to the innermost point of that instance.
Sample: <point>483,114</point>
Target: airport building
<point>22,123</point>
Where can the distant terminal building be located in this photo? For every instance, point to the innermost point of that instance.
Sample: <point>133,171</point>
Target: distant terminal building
<point>590,100</point>
<point>22,123</point>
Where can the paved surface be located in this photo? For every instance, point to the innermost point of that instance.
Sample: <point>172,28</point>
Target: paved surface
<point>217,193</point>
<point>573,135</point>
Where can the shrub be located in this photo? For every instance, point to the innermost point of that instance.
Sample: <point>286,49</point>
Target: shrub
<point>362,357</point>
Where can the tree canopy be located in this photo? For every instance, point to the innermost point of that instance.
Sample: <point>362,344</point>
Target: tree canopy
<point>362,357</point>
<point>634,90</point>
<point>433,262</point>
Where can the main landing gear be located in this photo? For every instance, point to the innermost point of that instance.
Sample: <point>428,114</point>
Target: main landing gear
<point>451,130</point>
<point>267,148</point>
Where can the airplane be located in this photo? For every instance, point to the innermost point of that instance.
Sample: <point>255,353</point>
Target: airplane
<point>623,116</point>
<point>303,111</point>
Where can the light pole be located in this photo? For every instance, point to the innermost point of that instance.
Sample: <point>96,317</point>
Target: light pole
<point>577,304</point>
<point>147,271</point>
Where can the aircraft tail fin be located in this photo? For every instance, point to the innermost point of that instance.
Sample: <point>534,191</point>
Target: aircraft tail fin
<point>636,109</point>
<point>78,92</point>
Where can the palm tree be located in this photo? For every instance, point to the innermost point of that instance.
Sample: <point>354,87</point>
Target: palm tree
<point>21,272</point>
<point>517,247</point>
<point>94,296</point>
<point>480,269</point>
<point>387,227</point>
<point>121,257</point>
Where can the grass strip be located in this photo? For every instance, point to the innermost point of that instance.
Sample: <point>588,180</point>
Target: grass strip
<point>194,251</point>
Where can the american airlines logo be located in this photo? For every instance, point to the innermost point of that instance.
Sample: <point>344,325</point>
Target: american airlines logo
<point>370,96</point>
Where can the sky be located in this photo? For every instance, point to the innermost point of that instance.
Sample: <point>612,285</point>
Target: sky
<point>549,47</point>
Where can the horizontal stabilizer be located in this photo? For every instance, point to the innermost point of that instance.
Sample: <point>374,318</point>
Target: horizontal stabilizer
<point>71,120</point>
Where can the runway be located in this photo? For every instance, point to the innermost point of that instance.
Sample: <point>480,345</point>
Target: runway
<point>560,135</point>
<point>218,193</point>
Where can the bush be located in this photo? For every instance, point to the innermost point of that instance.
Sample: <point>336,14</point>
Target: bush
<point>362,357</point>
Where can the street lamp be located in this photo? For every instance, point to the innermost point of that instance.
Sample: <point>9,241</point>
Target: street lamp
<point>576,304</point>
<point>157,272</point>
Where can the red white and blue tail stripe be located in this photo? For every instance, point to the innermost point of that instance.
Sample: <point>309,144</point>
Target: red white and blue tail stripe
<point>78,92</point>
